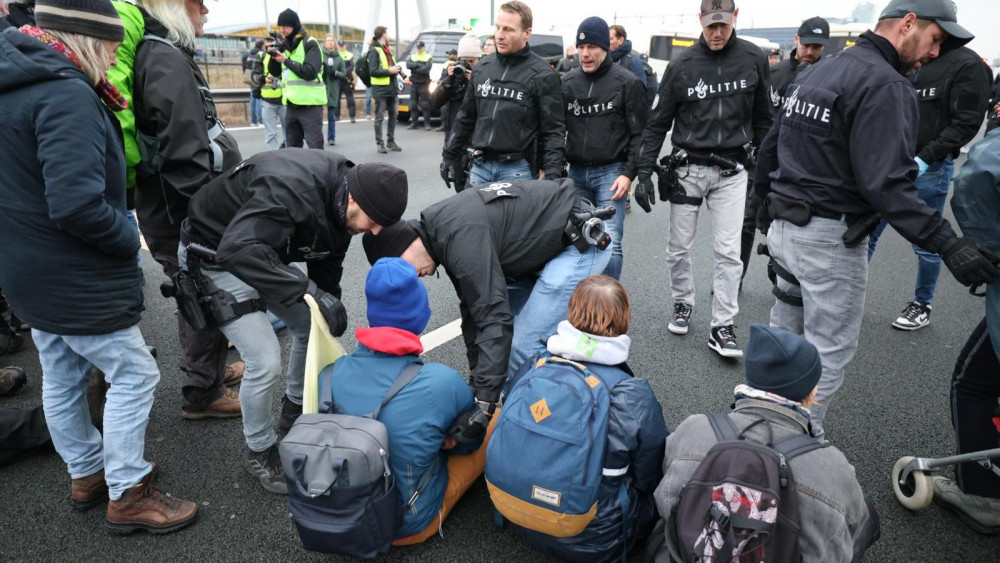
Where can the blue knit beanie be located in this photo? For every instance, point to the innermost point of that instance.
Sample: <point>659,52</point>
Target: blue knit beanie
<point>396,298</point>
<point>781,362</point>
<point>595,31</point>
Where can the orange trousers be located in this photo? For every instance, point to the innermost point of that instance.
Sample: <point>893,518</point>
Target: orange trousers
<point>462,471</point>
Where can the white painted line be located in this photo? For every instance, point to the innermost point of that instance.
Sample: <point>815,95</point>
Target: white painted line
<point>440,336</point>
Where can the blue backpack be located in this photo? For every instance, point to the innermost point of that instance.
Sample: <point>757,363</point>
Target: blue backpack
<point>545,460</point>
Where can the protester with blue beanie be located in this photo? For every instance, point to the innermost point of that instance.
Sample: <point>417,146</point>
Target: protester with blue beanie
<point>418,418</point>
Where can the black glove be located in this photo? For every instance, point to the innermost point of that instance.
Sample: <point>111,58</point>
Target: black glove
<point>555,175</point>
<point>471,425</point>
<point>970,264</point>
<point>331,307</point>
<point>644,194</point>
<point>448,172</point>
<point>763,218</point>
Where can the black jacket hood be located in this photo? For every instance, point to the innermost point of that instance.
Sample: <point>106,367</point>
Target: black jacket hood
<point>25,60</point>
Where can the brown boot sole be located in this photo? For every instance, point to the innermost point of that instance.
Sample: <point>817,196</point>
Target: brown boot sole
<point>129,527</point>
<point>200,415</point>
<point>102,495</point>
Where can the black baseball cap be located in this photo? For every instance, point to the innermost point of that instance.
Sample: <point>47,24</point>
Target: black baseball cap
<point>944,12</point>
<point>420,44</point>
<point>814,31</point>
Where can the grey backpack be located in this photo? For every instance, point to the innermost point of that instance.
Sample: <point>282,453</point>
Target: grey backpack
<point>341,492</point>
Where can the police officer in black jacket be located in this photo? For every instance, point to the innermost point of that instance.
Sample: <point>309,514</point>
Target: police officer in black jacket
<point>715,95</point>
<point>512,116</point>
<point>505,248</point>
<point>606,110</point>
<point>952,92</point>
<point>275,208</point>
<point>840,155</point>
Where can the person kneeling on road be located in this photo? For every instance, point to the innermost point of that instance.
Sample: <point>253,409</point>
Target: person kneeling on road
<point>273,209</point>
<point>514,252</point>
<point>837,523</point>
<point>420,415</point>
<point>595,335</point>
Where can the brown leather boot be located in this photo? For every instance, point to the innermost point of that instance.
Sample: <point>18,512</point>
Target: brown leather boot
<point>90,491</point>
<point>234,373</point>
<point>226,406</point>
<point>145,508</point>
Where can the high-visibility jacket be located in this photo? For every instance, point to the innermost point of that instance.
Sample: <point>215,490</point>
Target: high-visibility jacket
<point>269,90</point>
<point>346,55</point>
<point>303,92</point>
<point>383,64</point>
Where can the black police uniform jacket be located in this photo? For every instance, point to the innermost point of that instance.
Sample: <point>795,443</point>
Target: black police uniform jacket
<point>953,92</point>
<point>845,139</point>
<point>605,113</point>
<point>486,237</point>
<point>782,75</point>
<point>275,208</point>
<point>514,101</point>
<point>716,101</point>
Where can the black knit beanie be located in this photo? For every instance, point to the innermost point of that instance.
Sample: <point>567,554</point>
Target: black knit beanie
<point>594,31</point>
<point>380,189</point>
<point>391,242</point>
<point>289,18</point>
<point>94,18</point>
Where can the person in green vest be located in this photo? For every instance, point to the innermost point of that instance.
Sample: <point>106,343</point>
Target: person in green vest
<point>299,62</point>
<point>385,72</point>
<point>420,81</point>
<point>334,71</point>
<point>272,107</point>
<point>347,83</point>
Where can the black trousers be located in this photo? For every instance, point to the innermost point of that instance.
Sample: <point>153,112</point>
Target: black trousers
<point>975,389</point>
<point>386,105</point>
<point>749,225</point>
<point>23,432</point>
<point>346,91</point>
<point>420,104</point>
<point>304,122</point>
<point>203,352</point>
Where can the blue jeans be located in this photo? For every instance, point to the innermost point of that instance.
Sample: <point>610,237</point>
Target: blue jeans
<point>254,338</point>
<point>933,189</point>
<point>540,305</point>
<point>331,123</point>
<point>493,171</point>
<point>133,375</point>
<point>272,114</point>
<point>594,184</point>
<point>368,101</point>
<point>255,113</point>
<point>834,280</point>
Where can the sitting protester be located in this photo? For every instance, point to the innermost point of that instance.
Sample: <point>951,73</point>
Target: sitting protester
<point>595,336</point>
<point>419,416</point>
<point>837,523</point>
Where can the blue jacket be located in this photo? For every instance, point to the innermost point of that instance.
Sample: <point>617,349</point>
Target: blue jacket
<point>67,256</point>
<point>417,418</point>
<point>624,57</point>
<point>635,442</point>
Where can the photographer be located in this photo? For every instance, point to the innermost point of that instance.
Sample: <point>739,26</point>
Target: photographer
<point>455,80</point>
<point>273,209</point>
<point>384,71</point>
<point>298,59</point>
<point>507,249</point>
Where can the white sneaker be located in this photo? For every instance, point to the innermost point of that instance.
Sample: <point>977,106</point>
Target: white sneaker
<point>982,514</point>
<point>914,316</point>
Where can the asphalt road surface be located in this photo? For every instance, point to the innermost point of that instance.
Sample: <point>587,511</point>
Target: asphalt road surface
<point>894,402</point>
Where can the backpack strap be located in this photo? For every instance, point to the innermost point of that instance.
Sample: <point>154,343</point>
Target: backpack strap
<point>623,502</point>
<point>794,446</point>
<point>408,374</point>
<point>724,427</point>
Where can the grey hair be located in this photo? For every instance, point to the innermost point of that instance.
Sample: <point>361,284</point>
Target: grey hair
<point>173,15</point>
<point>90,50</point>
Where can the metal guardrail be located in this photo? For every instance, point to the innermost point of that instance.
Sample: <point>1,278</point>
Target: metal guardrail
<point>231,95</point>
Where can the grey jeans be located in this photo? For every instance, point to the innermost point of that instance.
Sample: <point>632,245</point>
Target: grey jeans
<point>724,198</point>
<point>833,281</point>
<point>257,343</point>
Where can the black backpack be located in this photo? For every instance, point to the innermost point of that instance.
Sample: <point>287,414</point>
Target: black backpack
<point>741,504</point>
<point>363,70</point>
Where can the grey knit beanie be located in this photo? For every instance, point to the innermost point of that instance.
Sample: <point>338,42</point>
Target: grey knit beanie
<point>95,18</point>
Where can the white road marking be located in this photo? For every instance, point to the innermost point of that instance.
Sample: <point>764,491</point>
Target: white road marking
<point>440,336</point>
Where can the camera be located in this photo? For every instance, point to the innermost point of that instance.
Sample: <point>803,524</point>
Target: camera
<point>279,43</point>
<point>585,227</point>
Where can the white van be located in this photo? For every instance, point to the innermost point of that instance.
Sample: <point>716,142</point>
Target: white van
<point>666,46</point>
<point>844,35</point>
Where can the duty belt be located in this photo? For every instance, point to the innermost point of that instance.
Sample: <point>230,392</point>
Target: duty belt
<point>485,154</point>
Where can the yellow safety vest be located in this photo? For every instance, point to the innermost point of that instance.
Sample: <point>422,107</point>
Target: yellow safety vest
<point>303,92</point>
<point>269,90</point>
<point>419,57</point>
<point>346,55</point>
<point>383,64</point>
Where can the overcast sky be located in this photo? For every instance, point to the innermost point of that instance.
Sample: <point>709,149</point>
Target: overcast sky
<point>640,18</point>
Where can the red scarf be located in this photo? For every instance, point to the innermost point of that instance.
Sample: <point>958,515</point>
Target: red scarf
<point>105,90</point>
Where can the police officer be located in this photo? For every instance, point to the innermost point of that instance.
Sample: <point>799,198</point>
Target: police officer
<point>273,209</point>
<point>419,66</point>
<point>512,116</point>
<point>952,91</point>
<point>840,155</point>
<point>606,110</point>
<point>505,248</point>
<point>716,98</point>
<point>300,65</point>
<point>810,41</point>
